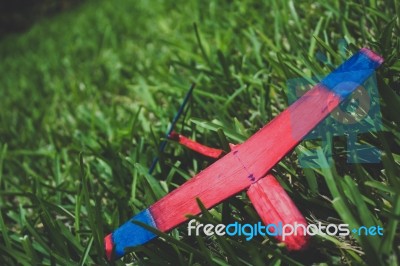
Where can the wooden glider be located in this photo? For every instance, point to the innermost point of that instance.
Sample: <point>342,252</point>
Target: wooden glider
<point>247,165</point>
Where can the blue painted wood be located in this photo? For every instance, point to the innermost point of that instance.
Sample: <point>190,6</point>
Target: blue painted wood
<point>132,235</point>
<point>352,73</point>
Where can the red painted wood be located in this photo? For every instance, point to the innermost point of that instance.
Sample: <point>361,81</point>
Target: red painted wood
<point>247,163</point>
<point>109,245</point>
<point>271,202</point>
<point>373,56</point>
<point>274,206</point>
<point>195,146</point>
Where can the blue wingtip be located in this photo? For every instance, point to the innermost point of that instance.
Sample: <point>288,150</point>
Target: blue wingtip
<point>355,71</point>
<point>132,235</point>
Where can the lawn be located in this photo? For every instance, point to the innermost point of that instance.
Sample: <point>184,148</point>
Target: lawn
<point>86,96</point>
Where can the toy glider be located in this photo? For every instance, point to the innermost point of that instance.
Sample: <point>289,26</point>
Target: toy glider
<point>248,164</point>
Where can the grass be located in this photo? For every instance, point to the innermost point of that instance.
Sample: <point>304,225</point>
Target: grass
<point>87,95</point>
